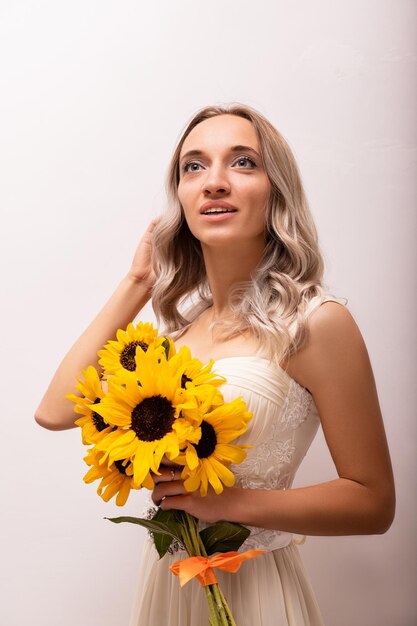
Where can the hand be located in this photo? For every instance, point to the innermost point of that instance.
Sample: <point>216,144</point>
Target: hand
<point>168,483</point>
<point>141,269</point>
<point>170,493</point>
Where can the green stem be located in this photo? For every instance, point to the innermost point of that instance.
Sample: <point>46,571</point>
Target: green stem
<point>219,604</point>
<point>220,601</point>
<point>196,548</point>
<point>191,522</point>
<point>230,617</point>
<point>213,621</point>
<point>187,540</point>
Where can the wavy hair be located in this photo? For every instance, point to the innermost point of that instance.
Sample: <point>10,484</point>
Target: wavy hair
<point>284,288</point>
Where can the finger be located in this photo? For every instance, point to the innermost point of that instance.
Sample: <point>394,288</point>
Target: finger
<point>153,223</point>
<point>168,490</point>
<point>179,503</point>
<point>167,474</point>
<point>166,462</point>
<point>157,501</point>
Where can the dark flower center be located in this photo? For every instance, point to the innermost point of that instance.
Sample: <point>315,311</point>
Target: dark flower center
<point>122,468</point>
<point>152,419</point>
<point>208,441</point>
<point>185,379</point>
<point>98,421</point>
<point>127,356</point>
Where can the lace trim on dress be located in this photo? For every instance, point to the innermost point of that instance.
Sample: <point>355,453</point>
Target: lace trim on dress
<point>267,466</point>
<point>263,467</point>
<point>297,406</point>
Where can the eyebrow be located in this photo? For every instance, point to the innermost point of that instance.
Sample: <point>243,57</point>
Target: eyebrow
<point>239,148</point>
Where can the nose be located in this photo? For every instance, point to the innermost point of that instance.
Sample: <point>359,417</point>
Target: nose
<point>216,180</point>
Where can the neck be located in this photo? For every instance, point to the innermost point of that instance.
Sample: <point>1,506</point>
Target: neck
<point>226,267</point>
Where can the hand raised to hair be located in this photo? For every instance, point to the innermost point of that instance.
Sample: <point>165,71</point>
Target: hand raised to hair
<point>141,269</point>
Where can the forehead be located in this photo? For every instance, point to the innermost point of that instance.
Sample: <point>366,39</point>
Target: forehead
<point>221,132</point>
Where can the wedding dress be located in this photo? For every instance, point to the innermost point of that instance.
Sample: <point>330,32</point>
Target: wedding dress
<point>273,588</point>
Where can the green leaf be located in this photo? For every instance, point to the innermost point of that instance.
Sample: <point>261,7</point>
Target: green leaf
<point>169,528</point>
<point>165,344</point>
<point>223,537</point>
<point>166,517</point>
<point>180,516</point>
<point>161,541</point>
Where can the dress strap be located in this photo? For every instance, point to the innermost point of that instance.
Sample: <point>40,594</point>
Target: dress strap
<point>331,298</point>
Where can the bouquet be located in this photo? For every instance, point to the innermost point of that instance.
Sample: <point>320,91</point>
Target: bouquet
<point>151,403</point>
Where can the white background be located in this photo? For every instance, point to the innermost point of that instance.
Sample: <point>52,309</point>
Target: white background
<point>93,97</point>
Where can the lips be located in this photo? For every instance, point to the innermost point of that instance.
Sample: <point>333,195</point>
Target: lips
<point>208,207</point>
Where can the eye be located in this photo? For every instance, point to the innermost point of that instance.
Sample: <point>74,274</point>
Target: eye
<point>244,161</point>
<point>189,167</point>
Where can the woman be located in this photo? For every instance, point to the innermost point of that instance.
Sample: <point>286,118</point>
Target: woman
<point>239,235</point>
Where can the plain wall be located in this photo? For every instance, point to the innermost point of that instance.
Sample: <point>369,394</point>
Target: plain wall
<point>93,96</point>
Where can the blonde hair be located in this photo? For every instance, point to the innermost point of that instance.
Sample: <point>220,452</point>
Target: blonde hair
<point>284,288</point>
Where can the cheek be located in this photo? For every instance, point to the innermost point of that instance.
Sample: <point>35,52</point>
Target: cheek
<point>259,219</point>
<point>259,198</point>
<point>180,194</point>
<point>184,198</point>
<point>186,212</point>
<point>259,201</point>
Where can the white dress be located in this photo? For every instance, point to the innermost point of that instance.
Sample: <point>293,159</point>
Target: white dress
<point>271,589</point>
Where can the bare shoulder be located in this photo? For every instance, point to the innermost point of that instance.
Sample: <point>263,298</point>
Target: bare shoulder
<point>331,322</point>
<point>334,345</point>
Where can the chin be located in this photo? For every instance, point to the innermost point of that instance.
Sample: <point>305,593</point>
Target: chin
<point>220,241</point>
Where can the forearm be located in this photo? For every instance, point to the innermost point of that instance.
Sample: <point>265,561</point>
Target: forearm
<point>338,507</point>
<point>55,410</point>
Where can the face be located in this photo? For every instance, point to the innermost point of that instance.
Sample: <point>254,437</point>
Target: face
<point>223,186</point>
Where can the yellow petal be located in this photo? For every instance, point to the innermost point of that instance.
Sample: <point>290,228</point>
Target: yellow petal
<point>123,493</point>
<point>191,457</point>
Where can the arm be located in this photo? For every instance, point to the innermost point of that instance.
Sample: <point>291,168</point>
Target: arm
<point>335,367</point>
<point>57,412</point>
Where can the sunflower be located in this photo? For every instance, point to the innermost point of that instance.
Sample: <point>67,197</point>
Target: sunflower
<point>93,426</point>
<point>115,479</point>
<point>119,356</point>
<point>198,378</point>
<point>153,413</point>
<point>206,462</point>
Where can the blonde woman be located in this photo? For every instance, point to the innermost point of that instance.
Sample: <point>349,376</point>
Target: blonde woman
<point>235,272</point>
